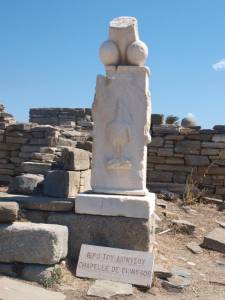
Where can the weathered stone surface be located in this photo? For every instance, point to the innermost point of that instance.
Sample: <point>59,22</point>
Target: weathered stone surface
<point>121,131</point>
<point>38,202</point>
<point>160,176</point>
<point>194,247</point>
<point>157,119</point>
<point>215,240</point>
<point>8,270</point>
<point>17,290</point>
<point>176,284</point>
<point>162,186</point>
<point>161,272</point>
<point>106,289</point>
<point>174,161</point>
<point>165,129</point>
<point>8,212</point>
<point>218,145</point>
<point>33,243</point>
<point>196,160</point>
<point>25,184</point>
<point>34,216</point>
<point>75,159</point>
<point>165,152</point>
<point>37,273</point>
<point>188,147</point>
<point>59,183</point>
<point>85,181</point>
<point>35,168</point>
<point>218,138</point>
<point>117,232</point>
<point>175,168</point>
<point>183,226</point>
<point>219,128</point>
<point>156,142</point>
<point>116,205</point>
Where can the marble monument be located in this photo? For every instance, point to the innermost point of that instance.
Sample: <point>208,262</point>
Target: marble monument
<point>121,113</point>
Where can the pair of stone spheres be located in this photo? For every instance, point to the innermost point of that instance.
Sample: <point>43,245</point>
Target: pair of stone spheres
<point>123,46</point>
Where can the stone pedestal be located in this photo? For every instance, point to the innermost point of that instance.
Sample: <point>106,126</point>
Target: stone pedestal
<point>119,202</point>
<point>116,205</point>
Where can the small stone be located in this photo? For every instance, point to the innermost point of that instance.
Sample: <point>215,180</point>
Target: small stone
<point>38,273</point>
<point>161,272</point>
<point>8,212</point>
<point>194,247</point>
<point>181,272</point>
<point>176,284</point>
<point>222,224</point>
<point>215,240</point>
<point>106,289</point>
<point>183,226</point>
<point>25,184</point>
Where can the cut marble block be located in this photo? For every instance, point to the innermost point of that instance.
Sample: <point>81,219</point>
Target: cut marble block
<point>116,205</point>
<point>117,232</point>
<point>121,113</point>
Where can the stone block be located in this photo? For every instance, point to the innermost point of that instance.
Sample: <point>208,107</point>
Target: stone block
<point>219,128</point>
<point>37,273</point>
<point>85,181</point>
<point>8,212</point>
<point>75,159</point>
<point>117,232</point>
<point>66,142</point>
<point>215,240</point>
<point>157,119</point>
<point>178,168</point>
<point>174,137</point>
<point>116,205</point>
<point>156,142</point>
<point>165,152</point>
<point>35,167</point>
<point>218,138</point>
<point>16,140</point>
<point>59,183</point>
<point>156,159</point>
<point>8,270</point>
<point>210,151</point>
<point>162,187</point>
<point>33,243</point>
<point>165,129</point>
<point>188,147</point>
<point>218,145</point>
<point>160,176</point>
<point>174,161</point>
<point>25,184</point>
<point>196,160</point>
<point>220,190</point>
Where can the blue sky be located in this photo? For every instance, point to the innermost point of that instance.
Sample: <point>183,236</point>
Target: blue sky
<point>49,53</point>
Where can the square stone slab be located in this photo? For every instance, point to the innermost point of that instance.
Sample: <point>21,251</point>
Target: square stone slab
<point>116,205</point>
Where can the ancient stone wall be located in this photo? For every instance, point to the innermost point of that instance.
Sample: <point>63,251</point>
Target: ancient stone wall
<point>174,154</point>
<point>34,148</point>
<point>177,155</point>
<point>61,116</point>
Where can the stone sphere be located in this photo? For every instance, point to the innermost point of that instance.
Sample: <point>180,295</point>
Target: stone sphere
<point>109,53</point>
<point>137,53</point>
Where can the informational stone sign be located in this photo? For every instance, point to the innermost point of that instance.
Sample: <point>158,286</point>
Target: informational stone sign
<point>135,267</point>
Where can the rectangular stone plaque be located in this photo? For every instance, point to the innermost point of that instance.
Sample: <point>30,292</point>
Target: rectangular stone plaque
<point>135,267</point>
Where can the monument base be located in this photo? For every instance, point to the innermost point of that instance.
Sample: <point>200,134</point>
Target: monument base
<point>115,232</point>
<point>116,205</point>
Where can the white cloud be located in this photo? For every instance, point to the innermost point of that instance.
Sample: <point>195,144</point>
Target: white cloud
<point>220,65</point>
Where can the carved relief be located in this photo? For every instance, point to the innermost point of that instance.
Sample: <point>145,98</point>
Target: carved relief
<point>118,134</point>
